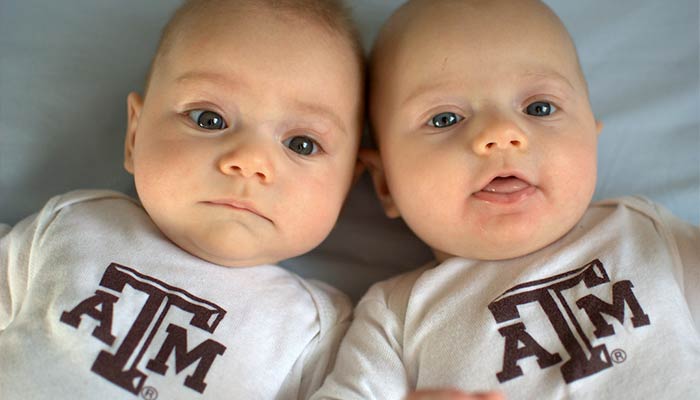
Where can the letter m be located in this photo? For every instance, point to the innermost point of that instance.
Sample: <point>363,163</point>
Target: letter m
<point>622,294</point>
<point>204,354</point>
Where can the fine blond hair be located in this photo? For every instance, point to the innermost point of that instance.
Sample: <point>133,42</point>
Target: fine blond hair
<point>332,15</point>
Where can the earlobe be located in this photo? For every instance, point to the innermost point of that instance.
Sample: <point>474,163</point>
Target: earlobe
<point>370,158</point>
<point>134,104</point>
<point>598,127</point>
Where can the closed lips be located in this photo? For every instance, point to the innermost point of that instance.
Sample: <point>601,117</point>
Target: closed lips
<point>238,205</point>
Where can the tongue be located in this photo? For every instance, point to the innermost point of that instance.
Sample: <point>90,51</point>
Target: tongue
<point>505,185</point>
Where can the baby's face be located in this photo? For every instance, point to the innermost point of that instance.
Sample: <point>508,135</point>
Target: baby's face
<point>244,147</point>
<point>483,122</point>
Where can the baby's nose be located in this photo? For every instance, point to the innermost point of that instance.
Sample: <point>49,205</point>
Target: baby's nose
<point>499,134</point>
<point>248,159</point>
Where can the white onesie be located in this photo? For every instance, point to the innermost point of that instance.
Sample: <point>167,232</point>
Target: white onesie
<point>610,311</point>
<point>96,303</point>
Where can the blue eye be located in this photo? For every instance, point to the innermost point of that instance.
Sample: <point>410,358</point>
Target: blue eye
<point>444,120</point>
<point>540,109</point>
<point>303,145</point>
<point>207,119</point>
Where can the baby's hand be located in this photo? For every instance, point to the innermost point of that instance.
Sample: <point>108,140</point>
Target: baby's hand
<point>451,394</point>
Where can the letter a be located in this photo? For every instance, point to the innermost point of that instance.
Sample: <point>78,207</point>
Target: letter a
<point>99,307</point>
<point>515,335</point>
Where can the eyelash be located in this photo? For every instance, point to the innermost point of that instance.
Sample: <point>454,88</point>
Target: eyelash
<point>315,147</point>
<point>219,124</point>
<point>213,120</point>
<point>452,119</point>
<point>540,104</point>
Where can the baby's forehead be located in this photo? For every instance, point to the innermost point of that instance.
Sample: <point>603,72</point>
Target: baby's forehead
<point>195,15</point>
<point>472,20</point>
<point>202,21</point>
<point>499,32</point>
<point>446,49</point>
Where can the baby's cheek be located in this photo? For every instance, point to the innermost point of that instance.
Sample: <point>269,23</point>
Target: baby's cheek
<point>313,210</point>
<point>583,167</point>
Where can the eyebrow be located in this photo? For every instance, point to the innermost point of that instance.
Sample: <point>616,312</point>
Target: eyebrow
<point>209,76</point>
<point>304,107</point>
<point>547,74</point>
<point>428,88</point>
<point>322,111</point>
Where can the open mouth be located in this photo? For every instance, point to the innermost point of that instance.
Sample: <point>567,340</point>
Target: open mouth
<point>505,189</point>
<point>505,185</point>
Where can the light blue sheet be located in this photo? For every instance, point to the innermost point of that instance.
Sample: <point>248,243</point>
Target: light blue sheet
<point>67,66</point>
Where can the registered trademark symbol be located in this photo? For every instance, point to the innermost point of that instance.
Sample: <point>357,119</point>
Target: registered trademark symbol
<point>149,393</point>
<point>618,356</point>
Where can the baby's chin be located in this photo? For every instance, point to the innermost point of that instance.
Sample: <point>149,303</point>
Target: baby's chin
<point>223,253</point>
<point>508,241</point>
<point>500,250</point>
<point>233,260</point>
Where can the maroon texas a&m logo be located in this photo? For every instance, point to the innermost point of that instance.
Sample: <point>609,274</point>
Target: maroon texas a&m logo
<point>550,295</point>
<point>147,331</point>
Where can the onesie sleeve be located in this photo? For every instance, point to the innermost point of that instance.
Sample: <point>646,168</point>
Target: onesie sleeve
<point>15,251</point>
<point>18,247</point>
<point>686,238</point>
<point>333,310</point>
<point>370,364</point>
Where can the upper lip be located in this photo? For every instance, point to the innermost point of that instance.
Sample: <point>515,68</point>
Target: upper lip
<point>503,174</point>
<point>240,205</point>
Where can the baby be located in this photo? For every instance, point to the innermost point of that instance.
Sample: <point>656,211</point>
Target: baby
<point>243,149</point>
<point>481,114</point>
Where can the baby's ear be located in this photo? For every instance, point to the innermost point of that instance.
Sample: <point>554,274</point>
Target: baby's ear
<point>358,171</point>
<point>370,158</point>
<point>134,104</point>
